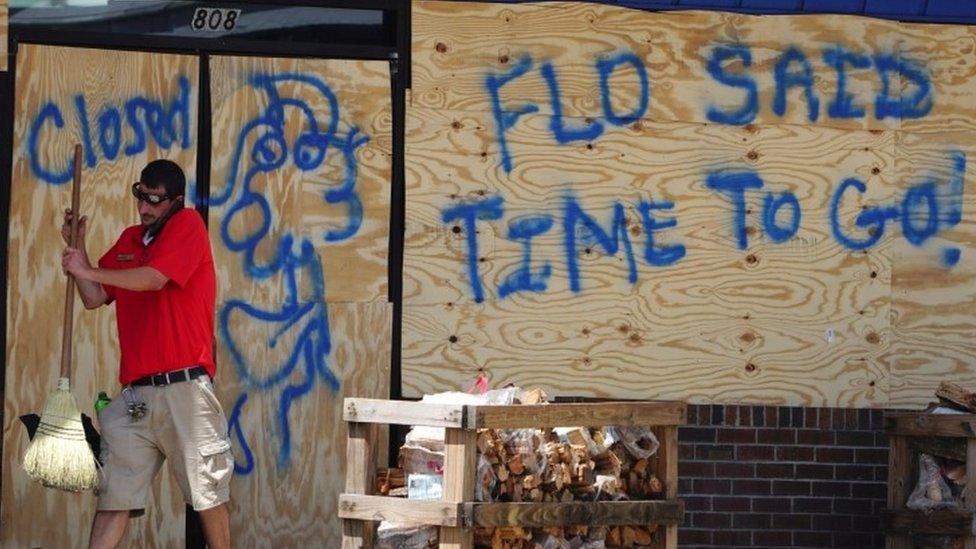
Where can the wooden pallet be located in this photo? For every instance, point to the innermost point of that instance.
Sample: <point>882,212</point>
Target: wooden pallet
<point>951,436</point>
<point>456,514</point>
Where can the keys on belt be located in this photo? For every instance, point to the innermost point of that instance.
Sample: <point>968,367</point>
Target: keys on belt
<point>136,408</point>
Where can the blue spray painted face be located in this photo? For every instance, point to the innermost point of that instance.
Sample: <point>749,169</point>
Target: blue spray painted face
<point>303,315</point>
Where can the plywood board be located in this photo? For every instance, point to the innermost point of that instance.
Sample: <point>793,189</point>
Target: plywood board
<point>53,83</point>
<point>750,313</point>
<point>703,320</point>
<point>301,150</point>
<point>693,62</point>
<point>932,302</point>
<point>4,23</point>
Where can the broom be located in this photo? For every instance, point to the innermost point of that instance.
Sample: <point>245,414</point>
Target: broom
<point>59,456</point>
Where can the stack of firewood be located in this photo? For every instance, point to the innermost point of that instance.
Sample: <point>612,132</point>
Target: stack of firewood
<point>531,465</point>
<point>548,466</point>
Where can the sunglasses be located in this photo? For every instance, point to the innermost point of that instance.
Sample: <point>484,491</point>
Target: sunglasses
<point>142,196</point>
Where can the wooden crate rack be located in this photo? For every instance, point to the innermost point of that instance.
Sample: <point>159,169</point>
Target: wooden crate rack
<point>457,513</point>
<point>952,435</point>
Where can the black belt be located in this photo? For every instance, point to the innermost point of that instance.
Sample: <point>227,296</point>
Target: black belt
<point>176,376</point>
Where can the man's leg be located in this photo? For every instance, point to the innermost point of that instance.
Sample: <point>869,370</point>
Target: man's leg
<point>216,526</point>
<point>108,529</point>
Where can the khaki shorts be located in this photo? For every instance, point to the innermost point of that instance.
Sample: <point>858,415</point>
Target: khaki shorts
<point>185,424</point>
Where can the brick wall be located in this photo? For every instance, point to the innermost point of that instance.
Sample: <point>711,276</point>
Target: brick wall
<point>766,476</point>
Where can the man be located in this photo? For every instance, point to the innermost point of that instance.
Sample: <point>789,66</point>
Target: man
<point>160,274</point>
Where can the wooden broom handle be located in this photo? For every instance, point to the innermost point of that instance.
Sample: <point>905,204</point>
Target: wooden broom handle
<point>69,295</point>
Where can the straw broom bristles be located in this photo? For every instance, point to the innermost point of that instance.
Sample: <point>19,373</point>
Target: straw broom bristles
<point>59,456</point>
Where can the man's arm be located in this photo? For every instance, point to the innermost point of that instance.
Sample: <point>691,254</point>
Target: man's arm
<point>92,294</point>
<point>138,279</point>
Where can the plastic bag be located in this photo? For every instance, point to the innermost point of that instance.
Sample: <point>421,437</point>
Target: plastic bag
<point>640,442</point>
<point>391,535</point>
<point>417,460</point>
<point>527,444</point>
<point>486,481</point>
<point>547,541</point>
<point>932,491</point>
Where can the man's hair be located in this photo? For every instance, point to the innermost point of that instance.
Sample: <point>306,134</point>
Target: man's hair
<point>166,174</point>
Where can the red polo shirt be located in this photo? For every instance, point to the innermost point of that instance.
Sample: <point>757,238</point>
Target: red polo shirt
<point>172,328</point>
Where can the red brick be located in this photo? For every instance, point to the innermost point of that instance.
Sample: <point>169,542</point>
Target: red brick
<point>772,416</point>
<point>871,455</point>
<point>758,416</point>
<point>831,489</point>
<point>794,453</point>
<point>864,419</point>
<point>854,472</point>
<point>835,455</point>
<point>848,506</point>
<point>718,414</point>
<point>791,487</point>
<point>838,418</point>
<point>824,419</point>
<point>812,505</point>
<point>711,520</point>
<point>850,539</point>
<point>812,471</point>
<point>714,451</point>
<point>774,470</point>
<point>772,538</point>
<point>869,490</point>
<point>855,438</point>
<point>752,487</point>
<point>733,538</point>
<point>733,469</point>
<point>745,416</point>
<point>754,521</point>
<point>690,536</point>
<point>796,417</point>
<point>692,414</point>
<point>812,539</point>
<point>772,505</point>
<point>712,486</point>
<point>755,453</point>
<point>696,469</point>
<point>686,451</point>
<point>731,415</point>
<point>776,436</point>
<point>696,434</point>
<point>833,523</point>
<point>811,417</point>
<point>816,437</point>
<point>736,504</point>
<point>737,435</point>
<point>791,522</point>
<point>697,503</point>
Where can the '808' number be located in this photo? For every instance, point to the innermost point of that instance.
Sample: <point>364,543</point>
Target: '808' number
<point>215,19</point>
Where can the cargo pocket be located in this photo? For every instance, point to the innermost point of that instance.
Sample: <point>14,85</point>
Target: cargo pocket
<point>216,462</point>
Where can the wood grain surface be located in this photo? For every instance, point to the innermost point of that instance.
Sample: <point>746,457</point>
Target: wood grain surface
<point>106,80</point>
<point>303,319</point>
<point>4,23</point>
<point>810,320</point>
